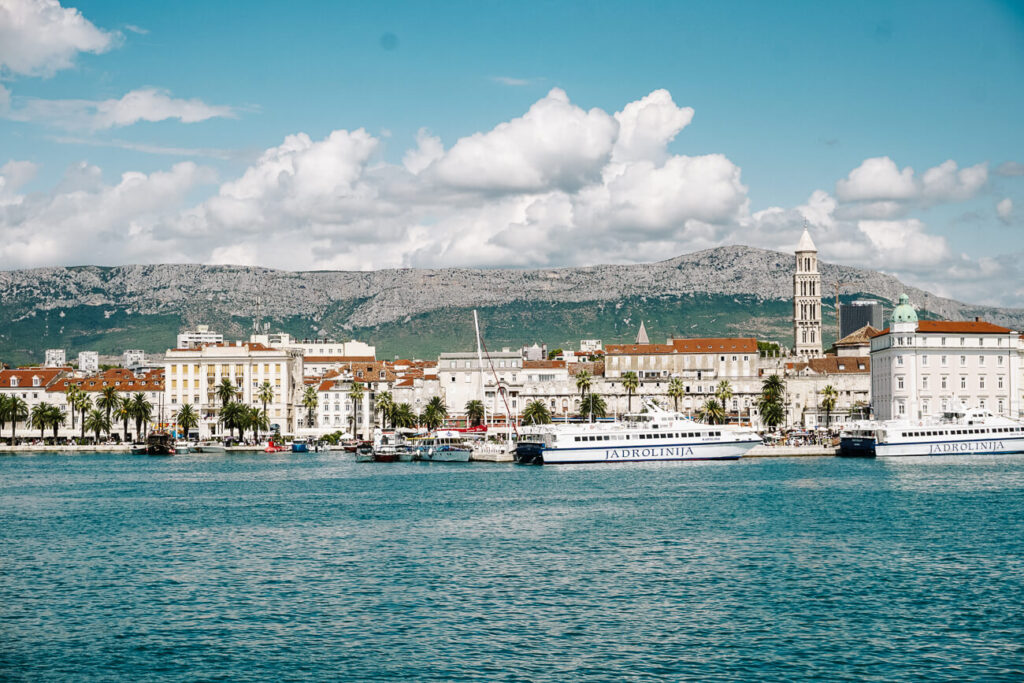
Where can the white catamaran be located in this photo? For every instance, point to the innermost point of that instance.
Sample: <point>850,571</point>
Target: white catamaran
<point>653,435</point>
<point>955,433</point>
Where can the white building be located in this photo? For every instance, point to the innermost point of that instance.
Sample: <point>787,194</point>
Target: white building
<point>88,361</point>
<point>191,339</point>
<point>807,300</point>
<point>849,376</point>
<point>134,358</point>
<point>923,368</point>
<point>317,347</point>
<point>192,376</point>
<point>462,380</point>
<point>590,345</point>
<point>55,358</point>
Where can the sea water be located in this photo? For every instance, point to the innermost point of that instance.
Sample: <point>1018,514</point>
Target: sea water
<point>310,567</point>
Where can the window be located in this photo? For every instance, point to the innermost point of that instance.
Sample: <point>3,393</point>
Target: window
<point>999,382</point>
<point>963,382</point>
<point>468,365</point>
<point>962,340</point>
<point>501,363</point>
<point>943,341</point>
<point>944,360</point>
<point>924,360</point>
<point>924,382</point>
<point>999,360</point>
<point>454,364</point>
<point>963,361</point>
<point>899,382</point>
<point>981,360</point>
<point>945,382</point>
<point>981,382</point>
<point>899,360</point>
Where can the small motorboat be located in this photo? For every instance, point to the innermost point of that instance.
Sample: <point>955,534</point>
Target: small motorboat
<point>208,447</point>
<point>300,445</point>
<point>274,447</point>
<point>139,449</point>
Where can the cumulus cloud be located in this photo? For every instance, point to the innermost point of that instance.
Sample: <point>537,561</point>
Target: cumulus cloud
<point>555,144</point>
<point>1004,209</point>
<point>39,37</point>
<point>557,186</point>
<point>145,104</point>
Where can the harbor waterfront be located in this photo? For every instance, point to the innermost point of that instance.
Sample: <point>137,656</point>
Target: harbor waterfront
<point>307,566</point>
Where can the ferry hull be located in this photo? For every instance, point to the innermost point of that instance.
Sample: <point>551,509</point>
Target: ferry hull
<point>975,447</point>
<point>533,454</point>
<point>856,447</point>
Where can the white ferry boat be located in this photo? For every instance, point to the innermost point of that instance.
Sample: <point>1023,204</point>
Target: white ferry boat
<point>955,433</point>
<point>657,435</point>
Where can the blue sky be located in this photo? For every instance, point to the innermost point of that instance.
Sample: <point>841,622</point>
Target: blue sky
<point>794,96</point>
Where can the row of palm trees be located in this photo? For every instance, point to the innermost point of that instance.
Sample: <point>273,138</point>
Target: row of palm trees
<point>94,415</point>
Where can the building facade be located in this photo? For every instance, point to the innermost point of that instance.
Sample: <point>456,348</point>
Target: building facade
<point>921,368</point>
<point>857,314</point>
<point>88,361</point>
<point>202,335</point>
<point>463,379</point>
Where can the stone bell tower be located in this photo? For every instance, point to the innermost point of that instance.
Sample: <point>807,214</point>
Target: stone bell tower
<point>807,299</point>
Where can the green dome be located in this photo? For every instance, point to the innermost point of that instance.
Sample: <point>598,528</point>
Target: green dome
<point>904,313</point>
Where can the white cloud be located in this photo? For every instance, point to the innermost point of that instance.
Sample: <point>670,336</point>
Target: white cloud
<point>877,179</point>
<point>145,104</point>
<point>1010,169</point>
<point>946,183</point>
<point>39,37</point>
<point>647,126</point>
<point>554,144</point>
<point>514,82</point>
<point>1005,209</point>
<point>904,244</point>
<point>428,150</point>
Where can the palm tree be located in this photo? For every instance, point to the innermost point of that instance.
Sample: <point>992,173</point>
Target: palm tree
<point>56,419</point>
<point>83,404</point>
<point>435,413</point>
<point>385,405</point>
<point>108,401</point>
<point>770,402</point>
<point>475,412</point>
<point>630,382</point>
<point>723,392</point>
<point>711,412</point>
<point>5,401</point>
<point>231,416</point>
<point>355,394</point>
<point>17,411</point>
<point>71,393</point>
<point>142,411</point>
<point>403,416</point>
<point>40,418</point>
<point>186,417</point>
<point>226,391</point>
<point>123,413</point>
<point>97,422</point>
<point>676,390</point>
<point>536,413</point>
<point>310,401</point>
<point>828,402</point>
<point>265,394</point>
<point>258,421</point>
<point>583,380</point>
<point>593,406</point>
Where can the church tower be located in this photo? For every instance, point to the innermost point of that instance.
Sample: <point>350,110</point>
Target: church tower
<point>807,299</point>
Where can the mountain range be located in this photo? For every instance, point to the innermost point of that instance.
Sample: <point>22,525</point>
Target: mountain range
<point>732,290</point>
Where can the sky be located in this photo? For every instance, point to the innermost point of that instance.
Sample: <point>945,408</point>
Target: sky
<point>365,135</point>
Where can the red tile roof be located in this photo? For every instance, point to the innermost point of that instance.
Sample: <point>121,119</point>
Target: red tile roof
<point>710,345</point>
<point>543,364</point>
<point>833,365</point>
<point>638,349</point>
<point>121,379</point>
<point>338,359</point>
<point>25,375</point>
<point>956,327</point>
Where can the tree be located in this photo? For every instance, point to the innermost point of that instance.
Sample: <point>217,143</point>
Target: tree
<point>40,418</point>
<point>355,394</point>
<point>711,412</point>
<point>771,402</point>
<point>71,392</point>
<point>723,392</point>
<point>593,406</point>
<point>108,401</point>
<point>536,413</point>
<point>554,353</point>
<point>310,401</point>
<point>226,391</point>
<point>385,405</point>
<point>676,390</point>
<point>186,417</point>
<point>231,416</point>
<point>258,421</point>
<point>17,411</point>
<point>4,403</point>
<point>435,413</point>
<point>265,395</point>
<point>828,402</point>
<point>83,404</point>
<point>56,419</point>
<point>97,422</point>
<point>123,413</point>
<point>475,412</point>
<point>142,411</point>
<point>403,416</point>
<point>583,380</point>
<point>630,382</point>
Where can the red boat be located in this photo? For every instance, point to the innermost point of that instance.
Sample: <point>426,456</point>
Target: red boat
<point>273,447</point>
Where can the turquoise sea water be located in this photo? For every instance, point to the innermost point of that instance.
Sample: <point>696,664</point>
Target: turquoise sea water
<point>289,567</point>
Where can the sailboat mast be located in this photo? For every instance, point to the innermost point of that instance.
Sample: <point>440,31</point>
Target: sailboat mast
<point>480,362</point>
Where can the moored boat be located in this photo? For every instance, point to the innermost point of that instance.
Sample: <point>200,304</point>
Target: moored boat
<point>654,435</point>
<point>209,447</point>
<point>972,432</point>
<point>300,445</point>
<point>160,443</point>
<point>444,446</point>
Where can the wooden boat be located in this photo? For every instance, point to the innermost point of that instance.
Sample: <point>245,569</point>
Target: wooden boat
<point>160,443</point>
